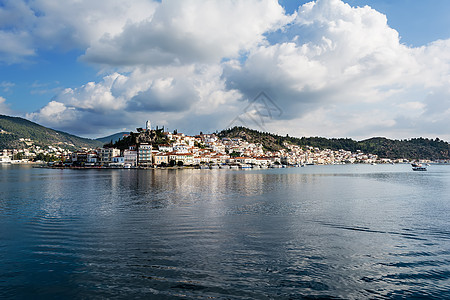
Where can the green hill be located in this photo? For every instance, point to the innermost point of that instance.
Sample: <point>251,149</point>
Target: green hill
<point>112,138</point>
<point>14,128</point>
<point>416,148</point>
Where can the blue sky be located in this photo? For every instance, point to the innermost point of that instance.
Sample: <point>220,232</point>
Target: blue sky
<point>335,70</point>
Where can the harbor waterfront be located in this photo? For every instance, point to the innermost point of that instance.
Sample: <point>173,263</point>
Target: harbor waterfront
<point>334,231</point>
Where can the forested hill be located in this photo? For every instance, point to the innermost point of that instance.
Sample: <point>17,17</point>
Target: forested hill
<point>12,129</point>
<point>113,137</point>
<point>416,148</point>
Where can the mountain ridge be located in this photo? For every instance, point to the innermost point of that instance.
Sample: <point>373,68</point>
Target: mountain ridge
<point>414,148</point>
<point>113,137</point>
<point>12,129</point>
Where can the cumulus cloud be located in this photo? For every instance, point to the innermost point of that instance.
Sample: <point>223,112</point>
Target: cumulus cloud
<point>26,26</point>
<point>342,70</point>
<point>182,97</point>
<point>184,32</point>
<point>332,69</point>
<point>336,54</point>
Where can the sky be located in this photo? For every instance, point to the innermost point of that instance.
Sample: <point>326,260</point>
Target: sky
<point>331,68</point>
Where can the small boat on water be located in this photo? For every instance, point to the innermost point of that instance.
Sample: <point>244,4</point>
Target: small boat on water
<point>418,167</point>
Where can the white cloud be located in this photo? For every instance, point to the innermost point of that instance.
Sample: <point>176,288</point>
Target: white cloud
<point>54,114</point>
<point>97,97</point>
<point>192,97</point>
<point>344,70</point>
<point>6,86</point>
<point>4,107</point>
<point>190,31</point>
<point>333,69</point>
<point>26,26</point>
<point>337,54</point>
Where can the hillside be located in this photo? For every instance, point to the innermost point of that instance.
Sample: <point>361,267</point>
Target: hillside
<point>112,138</point>
<point>416,148</point>
<point>14,128</point>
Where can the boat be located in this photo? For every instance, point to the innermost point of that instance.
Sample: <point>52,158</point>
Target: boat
<point>418,167</point>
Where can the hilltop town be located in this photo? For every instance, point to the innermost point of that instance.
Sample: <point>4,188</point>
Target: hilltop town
<point>149,148</point>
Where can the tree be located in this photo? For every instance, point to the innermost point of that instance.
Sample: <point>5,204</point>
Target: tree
<point>18,156</point>
<point>235,154</point>
<point>180,163</point>
<point>172,163</point>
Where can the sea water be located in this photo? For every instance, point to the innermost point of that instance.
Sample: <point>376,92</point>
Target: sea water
<point>343,232</point>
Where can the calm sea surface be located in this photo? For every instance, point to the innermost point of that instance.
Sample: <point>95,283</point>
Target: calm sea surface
<point>344,232</point>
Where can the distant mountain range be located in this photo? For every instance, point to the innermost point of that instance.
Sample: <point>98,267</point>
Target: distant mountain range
<point>12,129</point>
<point>416,148</point>
<point>112,138</point>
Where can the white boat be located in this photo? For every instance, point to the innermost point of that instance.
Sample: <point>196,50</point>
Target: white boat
<point>418,167</point>
<point>245,166</point>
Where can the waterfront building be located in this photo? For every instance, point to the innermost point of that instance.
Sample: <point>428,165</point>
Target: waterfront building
<point>161,159</point>
<point>91,158</point>
<point>262,161</point>
<point>130,156</point>
<point>5,157</point>
<point>244,160</point>
<point>205,158</point>
<point>79,158</point>
<point>106,155</point>
<point>185,158</point>
<point>144,155</point>
<point>117,161</point>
